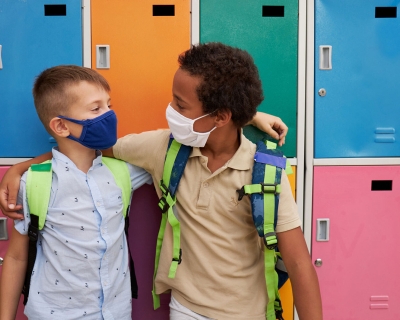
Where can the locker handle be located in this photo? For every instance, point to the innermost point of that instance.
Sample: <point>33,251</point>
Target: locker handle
<point>325,57</point>
<point>3,229</point>
<point>323,229</point>
<point>102,56</point>
<point>1,59</point>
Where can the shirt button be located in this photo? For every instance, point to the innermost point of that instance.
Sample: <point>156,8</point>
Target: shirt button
<point>205,184</point>
<point>98,203</point>
<point>203,161</point>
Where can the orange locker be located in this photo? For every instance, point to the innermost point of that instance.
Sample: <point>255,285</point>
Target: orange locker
<point>138,43</point>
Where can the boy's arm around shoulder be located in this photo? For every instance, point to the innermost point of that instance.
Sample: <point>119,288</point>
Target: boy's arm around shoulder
<point>13,275</point>
<point>302,274</point>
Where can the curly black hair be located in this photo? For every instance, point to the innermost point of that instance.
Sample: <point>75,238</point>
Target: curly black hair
<point>230,79</point>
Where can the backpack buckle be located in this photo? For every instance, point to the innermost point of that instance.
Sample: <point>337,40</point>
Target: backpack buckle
<point>270,240</point>
<point>163,205</point>
<point>179,260</point>
<point>269,188</point>
<point>241,193</point>
<point>33,233</point>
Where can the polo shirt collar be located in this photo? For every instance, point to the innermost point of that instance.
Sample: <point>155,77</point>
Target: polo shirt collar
<point>243,158</point>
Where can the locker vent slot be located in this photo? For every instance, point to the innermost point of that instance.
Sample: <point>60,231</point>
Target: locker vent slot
<point>273,11</point>
<point>55,9</point>
<point>385,12</point>
<point>381,185</point>
<point>166,10</point>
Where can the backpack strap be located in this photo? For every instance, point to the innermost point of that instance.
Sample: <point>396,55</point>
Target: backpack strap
<point>175,162</point>
<point>264,192</point>
<point>120,171</point>
<point>38,187</point>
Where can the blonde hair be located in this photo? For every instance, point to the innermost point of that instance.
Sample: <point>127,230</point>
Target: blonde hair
<point>50,90</point>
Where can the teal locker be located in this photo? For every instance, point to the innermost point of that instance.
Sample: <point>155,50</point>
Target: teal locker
<point>268,30</point>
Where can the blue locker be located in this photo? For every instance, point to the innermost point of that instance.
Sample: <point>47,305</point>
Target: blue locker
<point>357,77</point>
<point>34,35</point>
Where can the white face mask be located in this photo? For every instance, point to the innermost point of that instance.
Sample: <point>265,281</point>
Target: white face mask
<point>182,129</point>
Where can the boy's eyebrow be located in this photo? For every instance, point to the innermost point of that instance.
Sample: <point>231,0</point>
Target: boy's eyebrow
<point>178,97</point>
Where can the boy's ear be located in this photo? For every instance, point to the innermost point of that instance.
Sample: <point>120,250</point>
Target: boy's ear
<point>222,118</point>
<point>59,127</point>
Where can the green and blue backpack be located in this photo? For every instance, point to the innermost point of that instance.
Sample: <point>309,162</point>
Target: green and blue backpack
<point>264,193</point>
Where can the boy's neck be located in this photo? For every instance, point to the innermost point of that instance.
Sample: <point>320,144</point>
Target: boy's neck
<point>80,155</point>
<point>221,147</point>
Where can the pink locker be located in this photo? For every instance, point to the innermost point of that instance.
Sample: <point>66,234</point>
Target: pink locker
<point>355,246</point>
<point>6,226</point>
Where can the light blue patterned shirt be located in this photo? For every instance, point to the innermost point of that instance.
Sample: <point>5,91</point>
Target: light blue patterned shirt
<point>81,269</point>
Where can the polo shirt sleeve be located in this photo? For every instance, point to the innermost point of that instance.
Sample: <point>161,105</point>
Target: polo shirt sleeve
<point>143,150</point>
<point>22,225</point>
<point>288,216</point>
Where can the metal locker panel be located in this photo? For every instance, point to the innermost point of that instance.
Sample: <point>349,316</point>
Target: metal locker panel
<point>142,243</point>
<point>286,291</point>
<point>34,35</point>
<point>268,30</point>
<point>357,100</point>
<point>145,39</point>
<point>292,181</point>
<point>8,224</point>
<point>357,262</point>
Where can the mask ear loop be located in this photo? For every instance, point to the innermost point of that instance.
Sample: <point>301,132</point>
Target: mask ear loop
<point>203,116</point>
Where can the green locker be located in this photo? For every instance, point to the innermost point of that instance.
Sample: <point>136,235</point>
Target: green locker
<point>268,30</point>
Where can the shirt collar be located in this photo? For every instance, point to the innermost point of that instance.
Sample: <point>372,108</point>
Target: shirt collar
<point>62,157</point>
<point>243,159</point>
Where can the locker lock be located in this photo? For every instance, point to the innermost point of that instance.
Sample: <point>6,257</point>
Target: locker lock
<point>322,92</point>
<point>318,262</point>
<point>1,261</point>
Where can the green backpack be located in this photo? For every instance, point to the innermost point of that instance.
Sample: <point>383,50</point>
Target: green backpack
<point>38,187</point>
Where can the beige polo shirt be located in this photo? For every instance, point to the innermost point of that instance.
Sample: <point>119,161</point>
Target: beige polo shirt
<point>222,271</point>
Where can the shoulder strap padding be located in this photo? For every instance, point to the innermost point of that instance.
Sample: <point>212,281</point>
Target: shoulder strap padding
<point>120,171</point>
<point>38,187</point>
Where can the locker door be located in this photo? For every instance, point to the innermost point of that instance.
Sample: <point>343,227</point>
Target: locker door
<point>144,38</point>
<point>358,245</point>
<point>5,230</point>
<point>34,35</point>
<point>357,50</point>
<point>268,31</point>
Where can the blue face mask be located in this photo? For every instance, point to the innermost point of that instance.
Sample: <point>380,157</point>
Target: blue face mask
<point>97,133</point>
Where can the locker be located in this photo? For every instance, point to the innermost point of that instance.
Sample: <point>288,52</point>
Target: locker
<point>144,39</point>
<point>354,241</point>
<point>145,219</point>
<point>34,35</point>
<point>6,226</point>
<point>357,71</point>
<point>286,291</point>
<point>268,31</point>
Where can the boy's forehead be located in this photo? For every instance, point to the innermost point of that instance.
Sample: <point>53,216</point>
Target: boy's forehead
<point>185,82</point>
